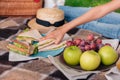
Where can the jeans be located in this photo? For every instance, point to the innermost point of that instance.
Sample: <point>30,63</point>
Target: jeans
<point>108,26</point>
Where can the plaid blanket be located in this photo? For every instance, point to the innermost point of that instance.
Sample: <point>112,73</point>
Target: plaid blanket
<point>36,69</point>
<point>28,70</point>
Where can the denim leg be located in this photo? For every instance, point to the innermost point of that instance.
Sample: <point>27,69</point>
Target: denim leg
<point>108,26</point>
<point>107,30</point>
<point>74,12</point>
<point>111,18</point>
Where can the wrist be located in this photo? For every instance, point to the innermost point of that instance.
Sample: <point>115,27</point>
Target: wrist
<point>67,27</point>
<point>61,29</point>
<point>64,29</point>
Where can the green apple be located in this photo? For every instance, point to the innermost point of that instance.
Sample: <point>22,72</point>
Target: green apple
<point>108,55</point>
<point>72,55</point>
<point>90,60</point>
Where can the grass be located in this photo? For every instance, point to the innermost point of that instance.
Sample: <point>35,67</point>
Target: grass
<point>86,3</point>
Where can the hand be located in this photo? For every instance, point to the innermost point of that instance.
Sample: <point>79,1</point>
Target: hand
<point>57,34</point>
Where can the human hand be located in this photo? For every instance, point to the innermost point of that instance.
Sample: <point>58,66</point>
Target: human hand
<point>57,34</point>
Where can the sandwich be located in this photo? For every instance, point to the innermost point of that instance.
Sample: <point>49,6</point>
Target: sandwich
<point>49,44</point>
<point>45,43</point>
<point>53,46</point>
<point>29,36</point>
<point>28,43</point>
<point>22,47</point>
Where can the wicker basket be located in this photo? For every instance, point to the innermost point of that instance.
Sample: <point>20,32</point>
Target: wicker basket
<point>19,7</point>
<point>16,0</point>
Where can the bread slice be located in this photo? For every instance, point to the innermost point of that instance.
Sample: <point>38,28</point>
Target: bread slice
<point>22,47</point>
<point>45,43</point>
<point>53,46</point>
<point>31,35</point>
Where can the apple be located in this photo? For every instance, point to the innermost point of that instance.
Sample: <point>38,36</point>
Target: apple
<point>90,60</point>
<point>72,55</point>
<point>108,55</point>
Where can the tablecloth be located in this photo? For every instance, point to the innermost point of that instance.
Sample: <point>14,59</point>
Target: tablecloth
<point>38,69</point>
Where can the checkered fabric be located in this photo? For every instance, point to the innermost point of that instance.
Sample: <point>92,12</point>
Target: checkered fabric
<point>38,69</point>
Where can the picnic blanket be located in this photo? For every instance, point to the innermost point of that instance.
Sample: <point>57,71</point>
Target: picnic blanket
<point>37,69</point>
<point>25,70</point>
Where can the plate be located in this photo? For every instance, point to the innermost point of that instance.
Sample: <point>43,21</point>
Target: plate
<point>18,57</point>
<point>43,54</point>
<point>78,68</point>
<point>46,53</point>
<point>52,52</point>
<point>114,43</point>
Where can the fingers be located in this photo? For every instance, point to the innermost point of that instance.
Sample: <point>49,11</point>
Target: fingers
<point>41,39</point>
<point>44,38</point>
<point>47,37</point>
<point>53,35</point>
<point>58,40</point>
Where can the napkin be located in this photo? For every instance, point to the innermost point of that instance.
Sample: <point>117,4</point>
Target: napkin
<point>113,74</point>
<point>70,73</point>
<point>18,57</point>
<point>114,42</point>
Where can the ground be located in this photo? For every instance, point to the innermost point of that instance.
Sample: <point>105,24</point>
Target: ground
<point>86,3</point>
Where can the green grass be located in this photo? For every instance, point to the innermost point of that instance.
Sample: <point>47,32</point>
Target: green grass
<point>86,3</point>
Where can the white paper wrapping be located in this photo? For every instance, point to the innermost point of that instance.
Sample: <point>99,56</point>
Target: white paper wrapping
<point>53,3</point>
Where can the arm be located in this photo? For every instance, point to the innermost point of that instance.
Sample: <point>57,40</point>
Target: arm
<point>91,15</point>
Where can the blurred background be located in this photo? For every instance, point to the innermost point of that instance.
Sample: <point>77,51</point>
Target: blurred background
<point>87,3</point>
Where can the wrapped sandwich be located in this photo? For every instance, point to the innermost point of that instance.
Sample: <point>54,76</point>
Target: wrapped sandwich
<point>29,36</point>
<point>22,47</point>
<point>28,43</point>
<point>45,43</point>
<point>51,46</point>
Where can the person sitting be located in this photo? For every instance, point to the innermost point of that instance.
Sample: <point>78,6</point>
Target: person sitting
<point>100,19</point>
